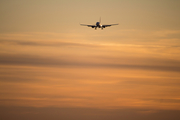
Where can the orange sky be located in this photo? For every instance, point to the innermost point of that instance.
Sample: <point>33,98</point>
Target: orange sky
<point>48,62</point>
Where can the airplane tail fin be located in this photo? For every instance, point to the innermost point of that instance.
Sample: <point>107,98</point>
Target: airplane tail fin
<point>100,20</point>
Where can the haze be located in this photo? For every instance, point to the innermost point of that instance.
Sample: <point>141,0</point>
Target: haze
<point>53,68</point>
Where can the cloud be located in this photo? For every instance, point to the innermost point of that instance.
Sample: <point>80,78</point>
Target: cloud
<point>164,100</point>
<point>45,43</point>
<point>43,113</point>
<point>126,37</point>
<point>19,59</point>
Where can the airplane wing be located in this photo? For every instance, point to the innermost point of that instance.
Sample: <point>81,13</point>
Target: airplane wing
<point>88,25</point>
<point>108,25</point>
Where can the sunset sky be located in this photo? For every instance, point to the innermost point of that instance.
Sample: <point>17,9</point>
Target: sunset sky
<point>51,68</point>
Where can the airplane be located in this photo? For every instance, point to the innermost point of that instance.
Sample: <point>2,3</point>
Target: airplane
<point>98,25</point>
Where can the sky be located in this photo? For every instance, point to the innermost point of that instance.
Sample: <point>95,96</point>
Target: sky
<point>53,68</point>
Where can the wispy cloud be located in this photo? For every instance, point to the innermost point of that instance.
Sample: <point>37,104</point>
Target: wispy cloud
<point>126,71</point>
<point>45,43</point>
<point>19,59</point>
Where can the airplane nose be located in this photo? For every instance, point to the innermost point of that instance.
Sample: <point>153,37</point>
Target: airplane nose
<point>97,23</point>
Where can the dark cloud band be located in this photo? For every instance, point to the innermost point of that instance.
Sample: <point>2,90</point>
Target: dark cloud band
<point>18,59</point>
